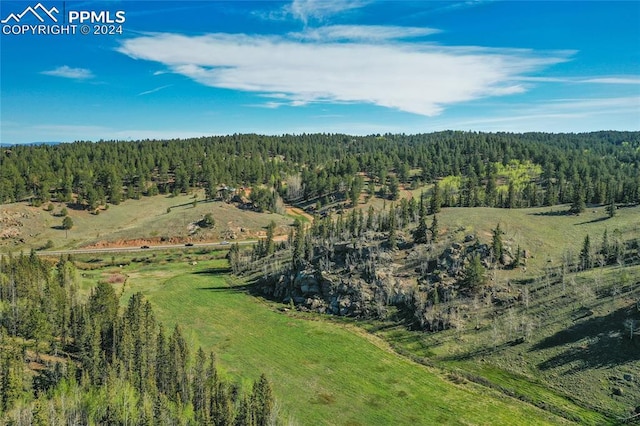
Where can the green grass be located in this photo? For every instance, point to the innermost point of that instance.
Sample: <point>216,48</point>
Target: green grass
<point>322,373</point>
<point>446,350</point>
<point>577,353</point>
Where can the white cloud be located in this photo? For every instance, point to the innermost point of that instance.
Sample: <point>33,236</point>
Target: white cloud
<point>361,33</point>
<point>420,78</point>
<point>613,80</point>
<point>590,80</point>
<point>557,115</point>
<point>73,132</point>
<point>69,128</point>
<point>596,104</point>
<point>320,9</point>
<point>68,72</point>
<point>157,89</point>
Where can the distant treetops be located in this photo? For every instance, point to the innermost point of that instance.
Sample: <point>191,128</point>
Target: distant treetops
<point>467,169</point>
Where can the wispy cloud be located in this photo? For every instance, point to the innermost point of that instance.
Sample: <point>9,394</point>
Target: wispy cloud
<point>557,115</point>
<point>320,9</point>
<point>420,78</point>
<point>68,72</point>
<point>69,128</point>
<point>361,33</point>
<point>586,80</point>
<point>613,80</point>
<point>73,132</point>
<point>457,5</point>
<point>157,89</point>
<point>595,104</point>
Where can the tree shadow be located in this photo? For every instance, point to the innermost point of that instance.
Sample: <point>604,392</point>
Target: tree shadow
<point>246,288</point>
<point>600,219</point>
<point>189,204</point>
<point>553,213</point>
<point>482,351</point>
<point>606,343</point>
<point>224,270</point>
<point>223,287</point>
<point>76,206</point>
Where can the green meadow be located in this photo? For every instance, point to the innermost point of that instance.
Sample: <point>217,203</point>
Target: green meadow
<point>322,372</point>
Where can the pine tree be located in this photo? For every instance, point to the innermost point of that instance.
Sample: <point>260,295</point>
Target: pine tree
<point>198,387</point>
<point>420,234</point>
<point>491,189</point>
<point>578,204</point>
<point>394,188</point>
<point>211,387</point>
<point>270,246</point>
<point>370,214</point>
<point>67,223</point>
<point>223,412</point>
<point>392,226</point>
<point>611,208</point>
<point>497,247</point>
<point>262,401</point>
<point>208,221</point>
<point>436,199</point>
<point>435,229</point>
<point>360,222</point>
<point>244,415</point>
<point>234,258</point>
<point>356,187</point>
<point>516,260</point>
<point>298,244</point>
<point>585,253</point>
<point>474,273</point>
<point>163,380</point>
<point>178,353</point>
<point>605,250</point>
<point>550,195</point>
<point>353,223</point>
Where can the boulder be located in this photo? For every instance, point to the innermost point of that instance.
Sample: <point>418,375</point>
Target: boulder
<point>307,282</point>
<point>506,259</point>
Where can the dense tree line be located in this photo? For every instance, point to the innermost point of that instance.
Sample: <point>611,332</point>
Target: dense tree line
<point>481,168</point>
<point>105,365</point>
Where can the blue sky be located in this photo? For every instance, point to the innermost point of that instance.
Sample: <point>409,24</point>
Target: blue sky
<point>183,69</point>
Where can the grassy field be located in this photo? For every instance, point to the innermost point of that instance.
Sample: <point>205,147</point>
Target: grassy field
<point>322,372</point>
<point>546,232</point>
<point>577,352</point>
<point>147,218</point>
